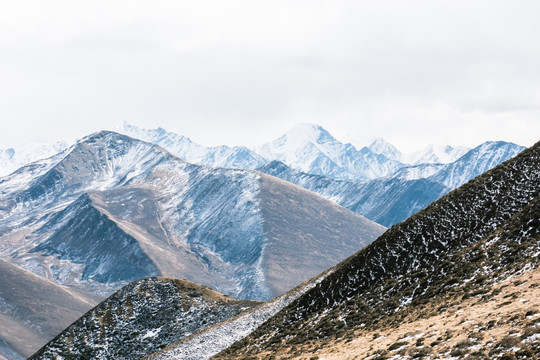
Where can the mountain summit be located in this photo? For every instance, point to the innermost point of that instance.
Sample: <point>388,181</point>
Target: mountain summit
<point>432,154</point>
<point>311,149</point>
<point>183,147</point>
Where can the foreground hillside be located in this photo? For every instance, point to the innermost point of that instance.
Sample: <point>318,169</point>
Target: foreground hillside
<point>210,341</point>
<point>141,318</point>
<point>505,324</point>
<point>462,247</point>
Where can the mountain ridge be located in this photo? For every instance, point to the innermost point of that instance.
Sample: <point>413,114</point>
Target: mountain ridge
<point>142,317</point>
<point>363,288</point>
<point>181,219</point>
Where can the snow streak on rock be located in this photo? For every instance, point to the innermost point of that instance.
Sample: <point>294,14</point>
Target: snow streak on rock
<point>142,318</point>
<point>208,342</point>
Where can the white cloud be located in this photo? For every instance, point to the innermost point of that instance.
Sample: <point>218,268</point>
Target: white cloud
<point>235,72</point>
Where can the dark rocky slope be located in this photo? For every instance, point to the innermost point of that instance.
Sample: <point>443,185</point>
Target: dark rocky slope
<point>456,248</point>
<point>141,318</point>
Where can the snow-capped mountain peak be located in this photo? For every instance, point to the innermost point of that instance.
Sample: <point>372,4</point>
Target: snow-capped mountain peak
<point>311,149</point>
<point>381,146</point>
<point>185,148</point>
<point>436,154</point>
<point>431,154</point>
<point>304,132</point>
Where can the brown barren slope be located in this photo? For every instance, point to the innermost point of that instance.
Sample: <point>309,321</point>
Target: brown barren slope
<point>34,310</point>
<point>307,234</point>
<point>506,325</point>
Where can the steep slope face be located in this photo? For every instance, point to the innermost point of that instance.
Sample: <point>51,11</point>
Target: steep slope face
<point>33,310</point>
<point>482,232</point>
<point>386,201</point>
<point>141,318</point>
<point>219,156</point>
<point>82,234</point>
<point>206,343</point>
<point>311,230</point>
<point>311,149</point>
<point>114,209</point>
<point>389,201</point>
<point>421,171</point>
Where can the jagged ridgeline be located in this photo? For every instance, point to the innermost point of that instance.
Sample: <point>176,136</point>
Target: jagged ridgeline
<point>456,248</point>
<point>141,318</point>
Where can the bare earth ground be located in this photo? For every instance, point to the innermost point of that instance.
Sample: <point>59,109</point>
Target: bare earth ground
<point>506,326</point>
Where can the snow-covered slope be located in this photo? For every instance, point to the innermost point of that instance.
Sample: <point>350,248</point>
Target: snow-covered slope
<point>11,159</point>
<point>113,209</point>
<point>208,342</point>
<point>218,156</point>
<point>141,318</point>
<point>436,154</point>
<point>415,172</point>
<point>311,149</point>
<point>456,249</point>
<point>383,147</point>
<point>393,199</point>
<point>386,201</point>
<point>476,162</point>
<point>432,154</point>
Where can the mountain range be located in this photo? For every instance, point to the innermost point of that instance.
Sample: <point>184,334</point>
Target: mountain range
<point>476,248</point>
<point>372,181</point>
<point>459,279</point>
<point>390,200</point>
<point>112,209</point>
<point>432,154</point>
<point>306,148</point>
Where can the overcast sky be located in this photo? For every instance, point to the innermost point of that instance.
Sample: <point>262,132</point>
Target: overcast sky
<point>244,72</point>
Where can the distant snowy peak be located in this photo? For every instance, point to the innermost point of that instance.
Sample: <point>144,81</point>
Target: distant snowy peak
<point>432,154</point>
<point>436,154</point>
<point>383,147</point>
<point>183,147</point>
<point>476,162</point>
<point>311,149</point>
<point>177,144</point>
<point>301,142</point>
<point>13,158</point>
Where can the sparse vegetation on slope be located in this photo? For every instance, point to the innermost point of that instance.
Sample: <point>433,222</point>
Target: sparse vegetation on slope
<point>141,318</point>
<point>505,326</point>
<point>454,250</point>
